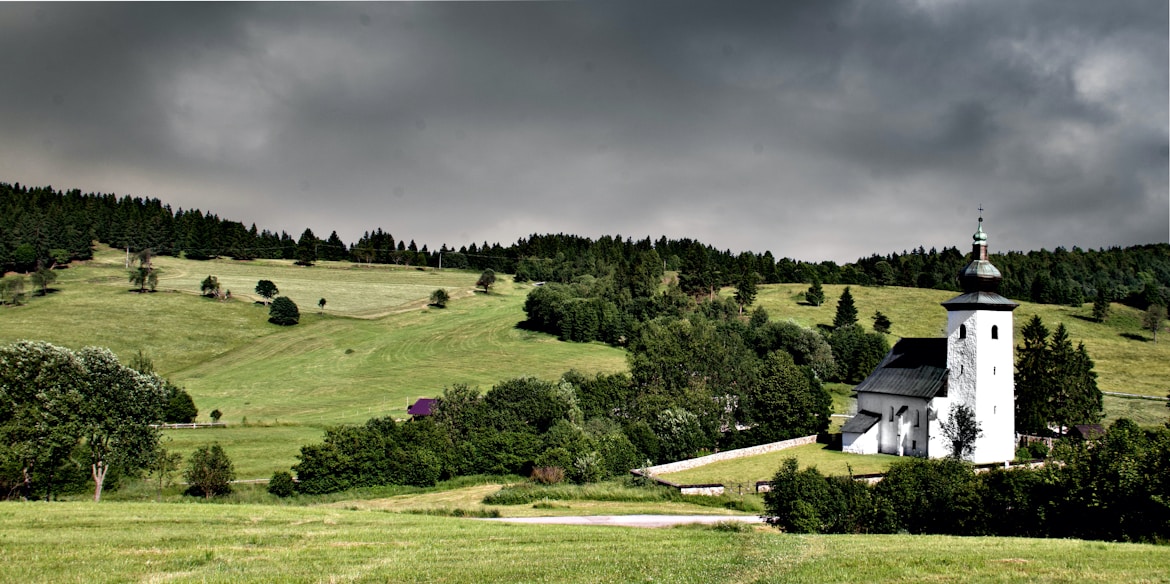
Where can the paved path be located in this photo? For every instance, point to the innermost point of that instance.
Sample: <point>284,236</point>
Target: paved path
<point>631,520</point>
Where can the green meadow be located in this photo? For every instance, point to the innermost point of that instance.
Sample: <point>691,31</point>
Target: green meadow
<point>377,346</point>
<point>152,542</point>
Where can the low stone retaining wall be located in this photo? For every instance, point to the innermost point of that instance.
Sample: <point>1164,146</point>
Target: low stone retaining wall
<point>728,455</point>
<point>714,490</point>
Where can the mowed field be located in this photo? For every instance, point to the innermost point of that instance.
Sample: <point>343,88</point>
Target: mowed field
<point>279,387</point>
<point>150,542</point>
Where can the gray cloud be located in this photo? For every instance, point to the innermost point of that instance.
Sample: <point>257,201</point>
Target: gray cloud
<point>816,130</point>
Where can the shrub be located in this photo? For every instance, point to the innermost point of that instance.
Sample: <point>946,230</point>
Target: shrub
<point>283,312</point>
<point>548,475</point>
<point>180,408</point>
<point>209,472</point>
<point>439,298</point>
<point>282,484</point>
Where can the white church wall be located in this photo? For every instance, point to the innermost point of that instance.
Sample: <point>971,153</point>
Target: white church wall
<point>897,435</point>
<point>981,376</point>
<point>864,443</point>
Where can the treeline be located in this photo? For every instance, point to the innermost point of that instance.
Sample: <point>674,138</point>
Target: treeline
<point>1111,488</point>
<point>40,224</point>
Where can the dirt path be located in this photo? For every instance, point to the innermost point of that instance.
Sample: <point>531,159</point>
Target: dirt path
<point>632,520</point>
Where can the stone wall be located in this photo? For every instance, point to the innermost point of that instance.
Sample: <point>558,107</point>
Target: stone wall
<point>728,455</point>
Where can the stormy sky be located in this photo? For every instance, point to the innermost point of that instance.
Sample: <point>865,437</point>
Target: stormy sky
<point>817,130</point>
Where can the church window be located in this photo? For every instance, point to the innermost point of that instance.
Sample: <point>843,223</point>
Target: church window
<point>917,418</point>
<point>913,445</point>
<point>962,331</point>
<point>891,413</point>
<point>995,331</point>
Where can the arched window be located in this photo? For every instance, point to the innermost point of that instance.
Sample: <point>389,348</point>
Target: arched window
<point>995,331</point>
<point>962,331</point>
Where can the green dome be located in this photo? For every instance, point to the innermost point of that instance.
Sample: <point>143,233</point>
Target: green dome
<point>980,236</point>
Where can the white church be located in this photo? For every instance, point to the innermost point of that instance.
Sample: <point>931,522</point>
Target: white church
<point>903,404</point>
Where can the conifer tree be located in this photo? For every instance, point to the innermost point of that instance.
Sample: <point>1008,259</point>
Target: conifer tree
<point>745,289</point>
<point>815,294</point>
<point>1101,305</point>
<point>1153,319</point>
<point>846,310</point>
<point>1032,379</point>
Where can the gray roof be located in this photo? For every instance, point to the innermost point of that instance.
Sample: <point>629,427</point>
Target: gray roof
<point>913,368</point>
<point>979,301</point>
<point>861,423</point>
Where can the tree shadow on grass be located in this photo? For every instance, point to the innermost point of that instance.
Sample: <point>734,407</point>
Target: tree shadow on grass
<point>1135,337</point>
<point>1086,318</point>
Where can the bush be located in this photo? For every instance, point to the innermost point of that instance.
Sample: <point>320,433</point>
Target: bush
<point>180,408</point>
<point>548,475</point>
<point>209,472</point>
<point>439,298</point>
<point>283,312</point>
<point>282,484</point>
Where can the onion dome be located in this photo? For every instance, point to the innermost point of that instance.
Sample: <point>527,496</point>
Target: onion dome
<point>980,275</point>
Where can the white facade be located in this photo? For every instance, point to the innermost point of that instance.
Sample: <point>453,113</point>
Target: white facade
<point>982,376</point>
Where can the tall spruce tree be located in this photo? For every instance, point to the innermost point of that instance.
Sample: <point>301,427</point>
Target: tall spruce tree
<point>846,310</point>
<point>1055,383</point>
<point>1101,305</point>
<point>1032,379</point>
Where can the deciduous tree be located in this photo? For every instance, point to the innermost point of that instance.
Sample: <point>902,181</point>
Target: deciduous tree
<point>118,408</point>
<point>210,472</point>
<point>210,287</point>
<point>962,430</point>
<point>43,278</point>
<point>486,279</point>
<point>284,312</point>
<point>267,290</point>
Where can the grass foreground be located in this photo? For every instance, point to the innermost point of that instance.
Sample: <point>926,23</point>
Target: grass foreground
<point>152,542</point>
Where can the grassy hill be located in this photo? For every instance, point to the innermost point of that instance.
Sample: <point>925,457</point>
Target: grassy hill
<point>371,352</point>
<point>151,542</point>
<point>376,347</point>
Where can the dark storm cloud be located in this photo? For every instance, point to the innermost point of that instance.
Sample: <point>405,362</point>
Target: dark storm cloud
<point>816,130</point>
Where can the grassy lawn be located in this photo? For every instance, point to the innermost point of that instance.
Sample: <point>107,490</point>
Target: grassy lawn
<point>84,542</point>
<point>256,451</point>
<point>748,470</point>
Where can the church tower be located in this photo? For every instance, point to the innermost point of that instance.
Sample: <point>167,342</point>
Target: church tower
<point>981,369</point>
